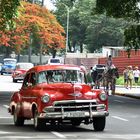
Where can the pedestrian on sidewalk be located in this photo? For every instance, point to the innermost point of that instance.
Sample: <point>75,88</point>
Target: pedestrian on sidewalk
<point>130,76</point>
<point>136,73</point>
<point>83,68</point>
<point>125,76</point>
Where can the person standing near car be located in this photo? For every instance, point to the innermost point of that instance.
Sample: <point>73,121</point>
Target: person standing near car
<point>130,76</point>
<point>136,73</point>
<point>125,76</point>
<point>83,68</point>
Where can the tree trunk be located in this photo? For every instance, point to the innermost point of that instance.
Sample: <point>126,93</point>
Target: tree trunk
<point>81,47</point>
<point>41,46</point>
<point>53,53</point>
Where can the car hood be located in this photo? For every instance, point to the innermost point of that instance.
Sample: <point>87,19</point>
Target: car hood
<point>21,71</point>
<point>68,91</point>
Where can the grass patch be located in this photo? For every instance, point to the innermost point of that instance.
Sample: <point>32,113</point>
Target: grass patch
<point>120,81</point>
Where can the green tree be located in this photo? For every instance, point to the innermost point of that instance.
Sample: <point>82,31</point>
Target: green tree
<point>8,10</point>
<point>89,29</point>
<point>105,32</point>
<point>76,28</point>
<point>128,9</point>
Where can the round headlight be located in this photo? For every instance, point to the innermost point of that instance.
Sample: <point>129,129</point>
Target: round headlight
<point>103,96</point>
<point>45,98</point>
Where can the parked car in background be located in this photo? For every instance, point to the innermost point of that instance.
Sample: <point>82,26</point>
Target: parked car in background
<point>20,71</point>
<point>8,65</point>
<point>54,61</point>
<point>99,66</point>
<point>58,94</point>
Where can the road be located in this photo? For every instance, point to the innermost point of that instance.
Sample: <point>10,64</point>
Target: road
<point>122,123</point>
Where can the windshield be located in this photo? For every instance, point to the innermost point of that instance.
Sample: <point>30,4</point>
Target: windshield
<point>54,76</point>
<point>54,61</point>
<point>9,61</point>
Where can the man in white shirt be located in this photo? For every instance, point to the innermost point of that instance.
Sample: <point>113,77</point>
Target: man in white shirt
<point>136,74</point>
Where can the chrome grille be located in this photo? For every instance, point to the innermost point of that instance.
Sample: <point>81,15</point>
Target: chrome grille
<point>75,105</point>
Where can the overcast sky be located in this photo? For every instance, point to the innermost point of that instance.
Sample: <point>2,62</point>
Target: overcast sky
<point>49,4</point>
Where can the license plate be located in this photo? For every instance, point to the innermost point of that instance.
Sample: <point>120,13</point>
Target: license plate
<point>75,114</point>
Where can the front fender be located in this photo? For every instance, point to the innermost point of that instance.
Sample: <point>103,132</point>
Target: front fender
<point>15,103</point>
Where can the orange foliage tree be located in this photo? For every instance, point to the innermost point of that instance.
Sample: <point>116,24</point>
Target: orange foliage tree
<point>33,19</point>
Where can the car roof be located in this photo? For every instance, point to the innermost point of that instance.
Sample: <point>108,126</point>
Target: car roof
<point>54,67</point>
<point>100,64</point>
<point>10,59</point>
<point>20,63</point>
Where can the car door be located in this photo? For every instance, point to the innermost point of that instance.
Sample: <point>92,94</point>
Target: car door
<point>27,94</point>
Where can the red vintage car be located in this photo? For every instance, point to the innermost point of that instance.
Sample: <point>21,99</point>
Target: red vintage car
<point>58,94</point>
<point>20,71</point>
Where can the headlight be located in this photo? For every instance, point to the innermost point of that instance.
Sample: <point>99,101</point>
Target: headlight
<point>103,96</point>
<point>45,98</point>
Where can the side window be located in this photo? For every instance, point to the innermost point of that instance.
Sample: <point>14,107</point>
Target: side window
<point>42,77</point>
<point>26,80</point>
<point>33,79</point>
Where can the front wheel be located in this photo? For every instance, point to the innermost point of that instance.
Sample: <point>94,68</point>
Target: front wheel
<point>99,123</point>
<point>14,80</point>
<point>18,121</point>
<point>39,124</point>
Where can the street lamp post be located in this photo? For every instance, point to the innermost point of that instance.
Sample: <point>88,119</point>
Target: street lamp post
<point>67,32</point>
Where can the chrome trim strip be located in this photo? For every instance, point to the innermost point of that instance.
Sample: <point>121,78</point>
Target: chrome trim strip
<point>29,97</point>
<point>74,101</point>
<point>81,106</point>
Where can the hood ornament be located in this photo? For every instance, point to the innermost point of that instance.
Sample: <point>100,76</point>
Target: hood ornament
<point>76,94</point>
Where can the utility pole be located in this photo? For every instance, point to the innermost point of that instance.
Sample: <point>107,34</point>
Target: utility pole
<point>67,29</point>
<point>31,42</point>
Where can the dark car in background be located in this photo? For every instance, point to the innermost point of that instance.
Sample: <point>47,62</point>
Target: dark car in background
<point>8,65</point>
<point>20,70</point>
<point>99,67</point>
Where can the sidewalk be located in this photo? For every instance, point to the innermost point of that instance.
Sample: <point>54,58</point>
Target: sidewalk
<point>134,92</point>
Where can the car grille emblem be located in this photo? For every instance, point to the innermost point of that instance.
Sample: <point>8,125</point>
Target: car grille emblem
<point>76,94</point>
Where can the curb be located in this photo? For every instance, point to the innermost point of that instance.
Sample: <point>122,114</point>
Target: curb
<point>126,95</point>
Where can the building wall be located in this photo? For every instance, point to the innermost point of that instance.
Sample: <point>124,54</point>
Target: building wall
<point>122,60</point>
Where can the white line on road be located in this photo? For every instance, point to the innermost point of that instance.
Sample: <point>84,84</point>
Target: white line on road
<point>58,134</point>
<point>6,106</point>
<point>119,118</point>
<point>4,132</point>
<point>16,137</point>
<point>118,101</point>
<point>6,117</point>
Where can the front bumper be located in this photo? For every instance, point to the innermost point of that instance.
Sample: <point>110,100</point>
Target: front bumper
<point>18,77</point>
<point>78,114</point>
<point>7,70</point>
<point>82,110</point>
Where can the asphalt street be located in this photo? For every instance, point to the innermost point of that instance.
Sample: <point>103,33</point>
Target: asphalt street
<point>122,122</point>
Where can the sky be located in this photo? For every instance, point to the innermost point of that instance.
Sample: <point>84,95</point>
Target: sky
<point>49,4</point>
